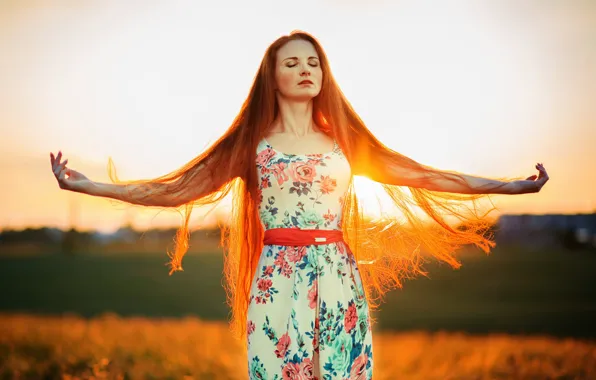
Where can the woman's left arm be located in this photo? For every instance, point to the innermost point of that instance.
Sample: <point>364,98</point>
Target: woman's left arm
<point>412,174</point>
<point>448,182</point>
<point>381,164</point>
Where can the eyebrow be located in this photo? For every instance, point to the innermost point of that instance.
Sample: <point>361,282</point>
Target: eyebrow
<point>285,59</point>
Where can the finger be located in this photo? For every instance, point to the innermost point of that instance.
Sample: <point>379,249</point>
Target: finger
<point>59,167</point>
<point>57,160</point>
<point>63,165</point>
<point>62,175</point>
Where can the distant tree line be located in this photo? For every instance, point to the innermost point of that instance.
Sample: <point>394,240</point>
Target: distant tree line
<point>73,241</point>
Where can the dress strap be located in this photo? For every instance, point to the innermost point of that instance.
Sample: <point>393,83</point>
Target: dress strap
<point>262,145</point>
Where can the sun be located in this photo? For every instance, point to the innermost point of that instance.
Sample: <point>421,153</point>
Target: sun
<point>371,196</point>
<point>377,204</point>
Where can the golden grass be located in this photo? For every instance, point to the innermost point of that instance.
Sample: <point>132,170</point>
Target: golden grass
<point>110,347</point>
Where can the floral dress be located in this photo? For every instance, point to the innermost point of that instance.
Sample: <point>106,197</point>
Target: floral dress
<point>308,316</point>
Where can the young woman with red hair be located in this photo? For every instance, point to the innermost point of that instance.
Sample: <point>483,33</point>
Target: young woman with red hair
<point>303,266</point>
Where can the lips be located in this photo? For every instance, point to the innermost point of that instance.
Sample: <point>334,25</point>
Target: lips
<point>306,82</point>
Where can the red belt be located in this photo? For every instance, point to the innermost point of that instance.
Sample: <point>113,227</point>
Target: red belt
<point>298,237</point>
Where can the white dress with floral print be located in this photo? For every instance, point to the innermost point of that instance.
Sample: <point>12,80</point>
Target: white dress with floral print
<point>308,317</point>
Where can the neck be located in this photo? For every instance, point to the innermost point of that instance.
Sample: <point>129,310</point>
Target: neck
<point>294,117</point>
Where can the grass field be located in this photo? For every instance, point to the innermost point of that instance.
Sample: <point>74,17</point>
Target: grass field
<point>522,292</point>
<point>510,315</point>
<point>109,347</point>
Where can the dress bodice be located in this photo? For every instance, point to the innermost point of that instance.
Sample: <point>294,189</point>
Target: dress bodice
<point>301,190</point>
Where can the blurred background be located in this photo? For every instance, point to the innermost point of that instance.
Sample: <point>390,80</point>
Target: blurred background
<point>480,87</point>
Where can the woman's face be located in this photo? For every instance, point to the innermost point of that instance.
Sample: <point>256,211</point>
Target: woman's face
<point>298,73</point>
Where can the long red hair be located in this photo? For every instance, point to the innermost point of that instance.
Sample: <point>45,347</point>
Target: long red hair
<point>388,249</point>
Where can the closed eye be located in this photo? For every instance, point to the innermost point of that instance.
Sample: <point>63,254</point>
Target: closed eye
<point>293,61</point>
<point>311,64</point>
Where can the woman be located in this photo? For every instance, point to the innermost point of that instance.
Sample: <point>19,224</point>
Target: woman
<point>301,294</point>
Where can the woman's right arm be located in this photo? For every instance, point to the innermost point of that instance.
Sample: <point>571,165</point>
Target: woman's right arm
<point>137,194</point>
<point>156,194</point>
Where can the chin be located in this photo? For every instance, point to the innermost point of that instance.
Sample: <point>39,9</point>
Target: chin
<point>303,96</point>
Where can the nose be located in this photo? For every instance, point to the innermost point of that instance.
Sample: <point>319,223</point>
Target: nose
<point>304,71</point>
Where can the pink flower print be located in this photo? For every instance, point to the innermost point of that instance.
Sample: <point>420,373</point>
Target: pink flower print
<point>282,345</point>
<point>328,184</point>
<point>283,266</point>
<point>358,371</point>
<point>280,259</point>
<point>286,270</point>
<point>313,295</point>
<point>264,284</point>
<point>329,216</point>
<point>290,371</point>
<point>351,317</point>
<point>264,156</point>
<point>306,370</point>
<point>279,171</point>
<point>250,327</point>
<point>302,172</point>
<point>268,270</point>
<point>295,254</point>
<point>265,170</point>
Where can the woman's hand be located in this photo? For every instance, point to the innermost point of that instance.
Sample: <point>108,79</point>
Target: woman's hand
<point>68,179</point>
<point>534,183</point>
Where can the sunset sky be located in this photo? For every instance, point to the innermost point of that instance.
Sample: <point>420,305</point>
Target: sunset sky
<point>480,87</point>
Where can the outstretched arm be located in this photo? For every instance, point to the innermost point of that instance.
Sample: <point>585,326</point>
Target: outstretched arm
<point>412,174</point>
<point>480,185</point>
<point>173,194</point>
<point>152,194</point>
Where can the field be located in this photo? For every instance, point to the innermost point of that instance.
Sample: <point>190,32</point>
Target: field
<point>511,315</point>
<point>109,347</point>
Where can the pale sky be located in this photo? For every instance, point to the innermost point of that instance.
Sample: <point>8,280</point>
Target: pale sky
<point>480,87</point>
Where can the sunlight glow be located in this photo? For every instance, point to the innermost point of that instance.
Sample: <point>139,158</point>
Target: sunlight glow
<point>372,197</point>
